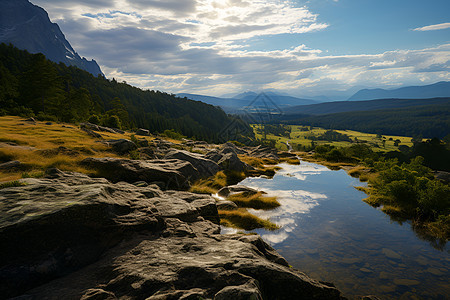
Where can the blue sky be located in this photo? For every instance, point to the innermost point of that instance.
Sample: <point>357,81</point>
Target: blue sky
<point>367,26</point>
<point>304,48</point>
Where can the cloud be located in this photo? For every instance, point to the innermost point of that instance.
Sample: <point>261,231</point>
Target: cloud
<point>200,46</point>
<point>433,27</point>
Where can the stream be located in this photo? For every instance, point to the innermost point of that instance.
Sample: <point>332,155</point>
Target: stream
<point>331,235</point>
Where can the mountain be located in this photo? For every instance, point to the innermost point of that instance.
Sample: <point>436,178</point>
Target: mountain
<point>28,27</point>
<point>241,102</point>
<point>229,105</point>
<point>348,106</point>
<point>428,121</point>
<point>276,98</point>
<point>439,89</point>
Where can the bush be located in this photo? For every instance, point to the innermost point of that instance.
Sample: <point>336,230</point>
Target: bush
<point>94,119</point>
<point>112,121</point>
<point>41,116</point>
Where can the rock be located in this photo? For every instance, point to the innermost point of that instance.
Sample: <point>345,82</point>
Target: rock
<point>31,120</point>
<point>162,144</point>
<point>205,166</point>
<point>48,123</point>
<point>226,205</point>
<point>174,173</point>
<point>250,290</point>
<point>391,254</point>
<point>143,132</point>
<point>264,152</point>
<point>143,143</point>
<point>121,145</point>
<point>226,191</point>
<point>68,236</point>
<point>228,160</point>
<point>10,165</point>
<point>95,127</point>
<point>92,133</point>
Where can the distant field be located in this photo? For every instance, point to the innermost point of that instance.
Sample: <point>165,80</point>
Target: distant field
<point>297,136</point>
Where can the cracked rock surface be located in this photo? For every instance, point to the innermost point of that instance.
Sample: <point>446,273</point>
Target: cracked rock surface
<point>69,236</point>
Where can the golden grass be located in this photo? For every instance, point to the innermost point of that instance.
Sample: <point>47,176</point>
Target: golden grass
<point>242,219</point>
<point>38,147</point>
<point>202,189</point>
<point>256,201</point>
<point>290,160</point>
<point>257,162</point>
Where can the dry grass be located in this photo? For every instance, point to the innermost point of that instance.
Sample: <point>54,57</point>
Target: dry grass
<point>290,160</point>
<point>214,183</point>
<point>242,219</point>
<point>37,147</point>
<point>202,189</point>
<point>256,201</point>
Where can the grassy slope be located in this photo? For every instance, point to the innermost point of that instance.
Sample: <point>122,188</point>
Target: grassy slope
<point>39,143</point>
<point>300,137</point>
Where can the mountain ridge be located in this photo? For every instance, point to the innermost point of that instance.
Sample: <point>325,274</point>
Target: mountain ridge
<point>438,89</point>
<point>28,27</point>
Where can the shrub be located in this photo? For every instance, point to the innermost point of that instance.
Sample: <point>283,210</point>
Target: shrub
<point>94,119</point>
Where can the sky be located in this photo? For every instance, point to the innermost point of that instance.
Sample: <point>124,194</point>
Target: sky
<point>303,48</point>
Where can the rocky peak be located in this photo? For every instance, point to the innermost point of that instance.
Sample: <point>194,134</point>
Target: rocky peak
<point>28,27</point>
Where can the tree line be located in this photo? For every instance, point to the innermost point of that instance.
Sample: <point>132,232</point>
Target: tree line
<point>31,85</point>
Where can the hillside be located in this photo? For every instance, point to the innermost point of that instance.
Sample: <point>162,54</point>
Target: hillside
<point>439,89</point>
<point>28,27</point>
<point>239,103</point>
<point>31,84</point>
<point>426,121</point>
<point>347,106</point>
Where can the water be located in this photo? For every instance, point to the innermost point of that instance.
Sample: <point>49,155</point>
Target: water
<point>331,235</point>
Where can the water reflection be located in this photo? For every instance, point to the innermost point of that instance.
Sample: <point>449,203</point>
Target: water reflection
<point>329,233</point>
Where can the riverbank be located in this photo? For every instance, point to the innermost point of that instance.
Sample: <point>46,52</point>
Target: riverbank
<point>333,236</point>
<point>405,192</point>
<point>130,229</point>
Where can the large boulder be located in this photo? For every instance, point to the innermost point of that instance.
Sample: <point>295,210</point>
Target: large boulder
<point>228,159</point>
<point>205,166</point>
<point>143,132</point>
<point>95,127</point>
<point>121,145</point>
<point>233,189</point>
<point>68,236</point>
<point>172,173</point>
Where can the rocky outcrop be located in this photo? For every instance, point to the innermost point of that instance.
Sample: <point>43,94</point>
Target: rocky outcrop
<point>228,160</point>
<point>168,173</point>
<point>205,166</point>
<point>28,27</point>
<point>95,127</point>
<point>69,236</point>
<point>143,132</point>
<point>263,152</point>
<point>121,145</point>
<point>232,189</point>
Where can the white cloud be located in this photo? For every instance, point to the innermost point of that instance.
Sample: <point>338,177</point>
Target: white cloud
<point>199,46</point>
<point>433,27</point>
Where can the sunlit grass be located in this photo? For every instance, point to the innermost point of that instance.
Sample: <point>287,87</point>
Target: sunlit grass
<point>242,219</point>
<point>36,146</point>
<point>254,200</point>
<point>300,137</point>
<point>11,184</point>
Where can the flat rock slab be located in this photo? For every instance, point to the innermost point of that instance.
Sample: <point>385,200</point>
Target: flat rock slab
<point>68,236</point>
<point>173,173</point>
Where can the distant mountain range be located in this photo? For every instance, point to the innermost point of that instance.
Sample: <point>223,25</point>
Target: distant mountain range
<point>241,102</point>
<point>439,89</point>
<point>28,27</point>
<point>367,105</point>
